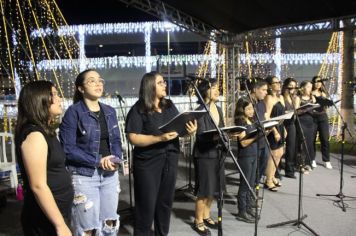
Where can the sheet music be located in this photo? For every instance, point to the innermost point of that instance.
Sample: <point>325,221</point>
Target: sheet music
<point>178,122</point>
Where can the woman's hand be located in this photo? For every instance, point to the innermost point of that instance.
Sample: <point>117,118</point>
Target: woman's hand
<point>191,127</point>
<point>277,136</point>
<point>63,230</point>
<point>106,164</point>
<point>168,136</point>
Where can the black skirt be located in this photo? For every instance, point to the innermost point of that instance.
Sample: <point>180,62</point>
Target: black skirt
<point>207,178</point>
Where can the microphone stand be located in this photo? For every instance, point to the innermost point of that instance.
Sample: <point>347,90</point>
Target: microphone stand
<point>225,147</point>
<point>299,221</point>
<point>128,158</point>
<point>339,195</point>
<point>189,187</point>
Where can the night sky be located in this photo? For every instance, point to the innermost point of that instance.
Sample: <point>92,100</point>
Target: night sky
<point>103,11</point>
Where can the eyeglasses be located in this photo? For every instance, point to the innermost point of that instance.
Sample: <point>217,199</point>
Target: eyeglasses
<point>162,82</point>
<point>93,82</point>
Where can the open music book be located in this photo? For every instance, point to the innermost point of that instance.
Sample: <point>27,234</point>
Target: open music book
<point>280,118</point>
<point>227,129</point>
<point>178,122</point>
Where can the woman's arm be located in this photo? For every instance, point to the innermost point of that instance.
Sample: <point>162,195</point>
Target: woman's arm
<point>143,140</point>
<point>34,153</point>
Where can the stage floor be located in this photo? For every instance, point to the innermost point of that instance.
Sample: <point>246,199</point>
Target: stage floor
<point>324,215</point>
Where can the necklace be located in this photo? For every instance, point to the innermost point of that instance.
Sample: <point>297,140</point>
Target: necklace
<point>97,113</point>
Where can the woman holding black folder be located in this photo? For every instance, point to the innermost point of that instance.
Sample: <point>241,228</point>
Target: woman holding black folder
<point>247,158</point>
<point>206,161</point>
<point>306,123</point>
<point>155,156</point>
<point>321,122</point>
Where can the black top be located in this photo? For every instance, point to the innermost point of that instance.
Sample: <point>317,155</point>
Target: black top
<point>104,149</point>
<point>250,150</point>
<point>289,108</point>
<point>261,110</point>
<point>58,178</point>
<point>309,114</point>
<point>147,123</point>
<point>277,110</point>
<point>205,146</point>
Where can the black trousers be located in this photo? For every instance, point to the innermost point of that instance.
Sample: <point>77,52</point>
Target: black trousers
<point>154,185</point>
<point>321,125</point>
<point>248,165</point>
<point>290,155</point>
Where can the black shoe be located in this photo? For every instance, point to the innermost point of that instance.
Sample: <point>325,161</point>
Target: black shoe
<point>211,223</point>
<point>245,217</point>
<point>290,175</point>
<point>197,227</point>
<point>251,212</point>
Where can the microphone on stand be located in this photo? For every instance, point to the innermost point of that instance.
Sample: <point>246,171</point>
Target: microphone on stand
<point>117,94</point>
<point>195,78</point>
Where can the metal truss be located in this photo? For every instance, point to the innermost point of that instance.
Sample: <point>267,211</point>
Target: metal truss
<point>330,25</point>
<point>168,13</point>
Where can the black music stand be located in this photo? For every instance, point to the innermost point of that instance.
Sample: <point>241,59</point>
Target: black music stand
<point>340,194</point>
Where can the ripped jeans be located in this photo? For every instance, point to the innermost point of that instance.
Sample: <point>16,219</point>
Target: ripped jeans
<point>95,202</point>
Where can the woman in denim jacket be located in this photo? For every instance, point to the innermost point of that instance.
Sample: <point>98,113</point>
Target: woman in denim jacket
<point>90,136</point>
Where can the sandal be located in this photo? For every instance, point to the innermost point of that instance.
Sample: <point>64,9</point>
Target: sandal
<point>277,183</point>
<point>210,223</point>
<point>272,188</point>
<point>201,229</point>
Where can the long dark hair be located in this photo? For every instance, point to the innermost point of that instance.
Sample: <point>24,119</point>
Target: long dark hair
<point>286,83</point>
<point>269,80</point>
<point>147,94</point>
<point>322,88</point>
<point>33,106</point>
<point>241,104</point>
<point>79,81</point>
<point>302,88</point>
<point>204,86</point>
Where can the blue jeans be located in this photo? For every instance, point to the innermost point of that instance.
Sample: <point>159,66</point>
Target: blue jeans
<point>95,202</point>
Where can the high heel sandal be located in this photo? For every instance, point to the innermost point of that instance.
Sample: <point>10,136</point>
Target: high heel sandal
<point>277,183</point>
<point>210,223</point>
<point>197,227</point>
<point>272,188</point>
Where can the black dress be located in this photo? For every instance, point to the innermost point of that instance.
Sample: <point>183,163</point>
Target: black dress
<point>206,161</point>
<point>277,110</point>
<point>307,126</point>
<point>290,154</point>
<point>34,221</point>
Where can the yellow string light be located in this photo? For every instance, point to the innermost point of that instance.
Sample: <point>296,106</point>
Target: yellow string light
<point>61,37</point>
<point>45,47</point>
<point>7,43</point>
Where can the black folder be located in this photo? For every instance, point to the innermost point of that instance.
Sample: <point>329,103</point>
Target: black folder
<point>177,123</point>
<point>227,129</point>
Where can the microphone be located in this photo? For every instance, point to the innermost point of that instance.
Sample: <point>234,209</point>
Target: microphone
<point>117,94</point>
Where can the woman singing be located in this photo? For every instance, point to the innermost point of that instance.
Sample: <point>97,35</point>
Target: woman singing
<point>321,123</point>
<point>207,165</point>
<point>155,156</point>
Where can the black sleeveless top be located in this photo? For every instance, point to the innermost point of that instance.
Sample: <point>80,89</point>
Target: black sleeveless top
<point>58,178</point>
<point>277,110</point>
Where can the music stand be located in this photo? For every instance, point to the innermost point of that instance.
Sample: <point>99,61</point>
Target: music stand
<point>340,194</point>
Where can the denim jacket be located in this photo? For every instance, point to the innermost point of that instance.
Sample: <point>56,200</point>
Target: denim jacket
<point>79,134</point>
